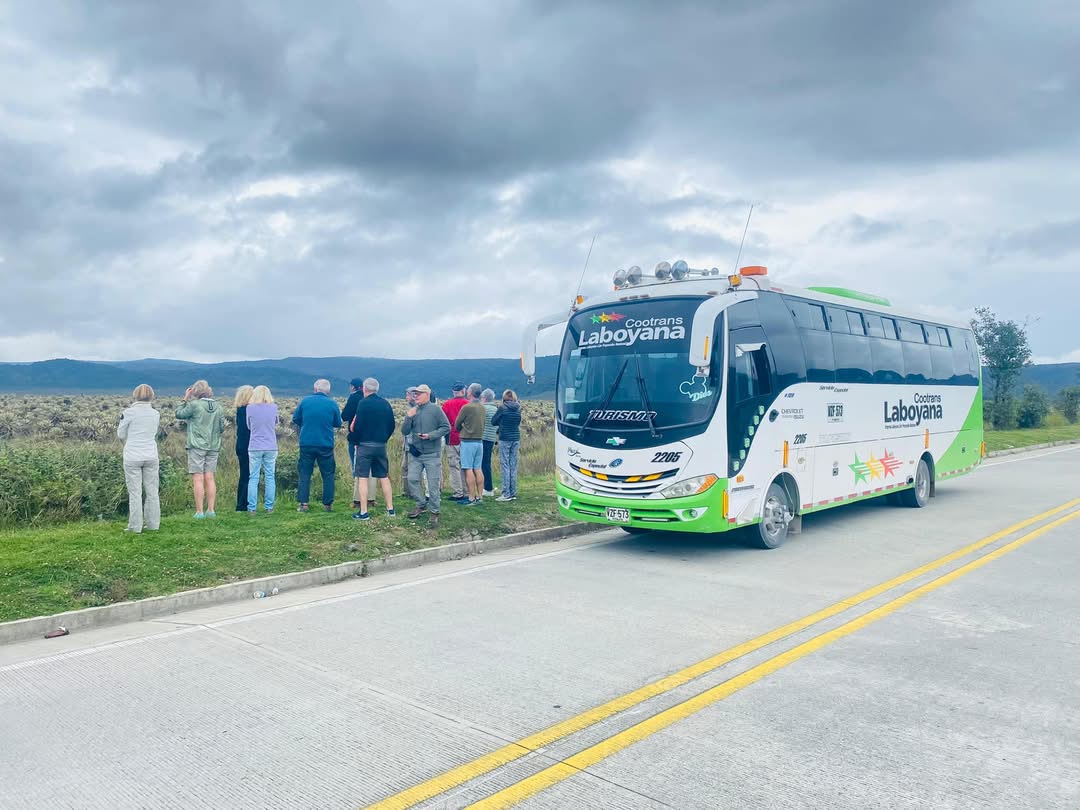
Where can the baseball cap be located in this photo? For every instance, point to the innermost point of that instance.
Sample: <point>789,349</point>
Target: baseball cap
<point>356,382</point>
<point>458,386</point>
<point>425,389</point>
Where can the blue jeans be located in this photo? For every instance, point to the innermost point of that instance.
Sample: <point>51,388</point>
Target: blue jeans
<point>261,460</point>
<point>508,462</point>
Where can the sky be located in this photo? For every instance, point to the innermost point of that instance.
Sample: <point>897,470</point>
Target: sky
<point>210,180</point>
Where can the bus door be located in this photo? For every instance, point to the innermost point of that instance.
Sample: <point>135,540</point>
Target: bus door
<point>751,392</point>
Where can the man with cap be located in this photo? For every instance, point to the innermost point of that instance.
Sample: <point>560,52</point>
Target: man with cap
<point>348,414</point>
<point>424,427</point>
<point>452,407</point>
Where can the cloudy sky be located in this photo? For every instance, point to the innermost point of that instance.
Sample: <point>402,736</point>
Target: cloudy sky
<point>215,180</point>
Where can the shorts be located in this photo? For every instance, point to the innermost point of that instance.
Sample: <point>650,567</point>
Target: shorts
<point>201,461</point>
<point>371,461</point>
<point>472,454</point>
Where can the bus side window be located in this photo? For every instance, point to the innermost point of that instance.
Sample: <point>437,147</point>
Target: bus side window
<point>783,340</point>
<point>873,325</point>
<point>750,365</point>
<point>820,365</point>
<point>855,323</point>
<point>838,321</point>
<point>941,365</point>
<point>890,329</point>
<point>888,360</point>
<point>853,362</point>
<point>807,315</point>
<point>943,336</point>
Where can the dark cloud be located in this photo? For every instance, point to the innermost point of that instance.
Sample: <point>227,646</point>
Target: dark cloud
<point>252,178</point>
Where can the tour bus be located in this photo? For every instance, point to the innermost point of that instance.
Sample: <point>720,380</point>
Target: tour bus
<point>695,401</point>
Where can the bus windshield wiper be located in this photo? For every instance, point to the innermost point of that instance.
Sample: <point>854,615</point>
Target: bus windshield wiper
<point>645,397</point>
<point>607,399</point>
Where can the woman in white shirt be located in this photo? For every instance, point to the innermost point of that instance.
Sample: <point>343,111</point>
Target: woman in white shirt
<point>138,428</point>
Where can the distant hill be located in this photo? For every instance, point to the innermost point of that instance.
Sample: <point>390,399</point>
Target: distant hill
<point>294,375</point>
<point>289,375</point>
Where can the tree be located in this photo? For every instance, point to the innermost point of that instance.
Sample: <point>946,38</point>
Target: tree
<point>1034,406</point>
<point>1005,352</point>
<point>1068,402</point>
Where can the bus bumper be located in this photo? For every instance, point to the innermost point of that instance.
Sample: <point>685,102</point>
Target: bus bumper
<point>696,513</point>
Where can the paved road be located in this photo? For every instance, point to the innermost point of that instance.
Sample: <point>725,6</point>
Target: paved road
<point>493,679</point>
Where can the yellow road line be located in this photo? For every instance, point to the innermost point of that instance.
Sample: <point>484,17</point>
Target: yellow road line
<point>572,765</point>
<point>515,750</point>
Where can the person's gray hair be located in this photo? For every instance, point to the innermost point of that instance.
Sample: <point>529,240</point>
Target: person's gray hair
<point>488,395</point>
<point>322,386</point>
<point>474,390</point>
<point>372,385</point>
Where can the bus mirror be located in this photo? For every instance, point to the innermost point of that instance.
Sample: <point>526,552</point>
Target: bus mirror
<point>746,348</point>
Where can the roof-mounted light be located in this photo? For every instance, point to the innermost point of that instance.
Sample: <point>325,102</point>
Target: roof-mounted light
<point>619,279</point>
<point>633,275</point>
<point>680,270</point>
<point>754,270</point>
<point>662,271</point>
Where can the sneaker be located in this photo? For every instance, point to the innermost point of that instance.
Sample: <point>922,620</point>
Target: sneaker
<point>302,507</point>
<point>464,500</point>
<point>489,493</point>
<point>504,498</point>
<point>134,531</point>
<point>211,514</point>
<point>251,512</point>
<point>361,516</point>
<point>415,513</point>
<point>371,502</point>
<point>433,522</point>
<point>270,510</point>
<point>199,515</point>
<point>356,504</point>
<point>391,513</point>
<point>328,507</point>
<point>476,502</point>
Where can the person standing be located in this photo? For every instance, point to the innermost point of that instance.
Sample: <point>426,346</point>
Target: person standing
<point>426,425</point>
<point>138,429</point>
<point>205,420</point>
<point>508,420</point>
<point>317,416</point>
<point>470,426</point>
<point>243,435</point>
<point>452,407</point>
<point>262,417</point>
<point>373,425</point>
<point>491,433</point>
<point>348,413</point>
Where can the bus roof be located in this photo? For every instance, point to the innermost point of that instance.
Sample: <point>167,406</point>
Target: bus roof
<point>718,285</point>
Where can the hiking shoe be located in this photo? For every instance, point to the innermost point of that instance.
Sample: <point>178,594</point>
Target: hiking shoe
<point>433,523</point>
<point>361,516</point>
<point>328,507</point>
<point>302,507</point>
<point>199,515</point>
<point>415,513</point>
<point>391,513</point>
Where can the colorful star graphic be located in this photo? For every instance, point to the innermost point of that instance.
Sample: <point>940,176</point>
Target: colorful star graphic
<point>607,317</point>
<point>860,469</point>
<point>874,468</point>
<point>596,319</point>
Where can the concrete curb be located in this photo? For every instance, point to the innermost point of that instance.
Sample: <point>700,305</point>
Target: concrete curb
<point>122,612</point>
<point>1029,448</point>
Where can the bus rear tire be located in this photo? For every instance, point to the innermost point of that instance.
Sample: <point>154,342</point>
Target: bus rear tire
<point>776,513</point>
<point>919,495</point>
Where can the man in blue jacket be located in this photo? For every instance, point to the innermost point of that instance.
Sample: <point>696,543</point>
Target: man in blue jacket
<point>317,416</point>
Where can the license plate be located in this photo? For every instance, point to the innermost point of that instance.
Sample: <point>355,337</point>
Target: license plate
<point>616,515</point>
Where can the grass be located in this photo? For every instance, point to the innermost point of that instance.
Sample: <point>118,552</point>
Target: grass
<point>48,570</point>
<point>1010,439</point>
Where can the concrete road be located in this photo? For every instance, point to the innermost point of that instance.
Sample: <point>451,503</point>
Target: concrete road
<point>607,671</point>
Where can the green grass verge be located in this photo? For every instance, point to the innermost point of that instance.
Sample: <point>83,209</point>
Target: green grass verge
<point>1010,439</point>
<point>52,569</point>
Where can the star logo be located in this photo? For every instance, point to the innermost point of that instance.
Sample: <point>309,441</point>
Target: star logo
<point>874,468</point>
<point>607,317</point>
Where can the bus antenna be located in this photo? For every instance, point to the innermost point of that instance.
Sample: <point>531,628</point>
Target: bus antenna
<point>743,240</point>
<point>583,269</point>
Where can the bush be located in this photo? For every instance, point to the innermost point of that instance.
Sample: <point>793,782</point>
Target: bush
<point>1034,406</point>
<point>1068,402</point>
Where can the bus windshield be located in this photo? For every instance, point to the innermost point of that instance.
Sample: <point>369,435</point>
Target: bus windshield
<point>626,368</point>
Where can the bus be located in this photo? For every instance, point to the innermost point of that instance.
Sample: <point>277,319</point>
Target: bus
<point>695,401</point>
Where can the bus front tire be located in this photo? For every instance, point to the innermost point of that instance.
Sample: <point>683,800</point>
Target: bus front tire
<point>776,513</point>
<point>919,495</point>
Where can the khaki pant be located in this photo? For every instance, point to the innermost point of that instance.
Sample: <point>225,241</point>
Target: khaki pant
<point>406,486</point>
<point>453,459</point>
<point>142,478</point>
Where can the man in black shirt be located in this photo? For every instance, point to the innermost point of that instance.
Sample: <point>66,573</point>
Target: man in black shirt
<point>356,394</point>
<point>372,425</point>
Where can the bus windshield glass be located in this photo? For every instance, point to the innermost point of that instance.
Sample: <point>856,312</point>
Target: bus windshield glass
<point>626,367</point>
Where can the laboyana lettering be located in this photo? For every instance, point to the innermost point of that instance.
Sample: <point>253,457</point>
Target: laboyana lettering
<point>633,331</point>
<point>900,413</point>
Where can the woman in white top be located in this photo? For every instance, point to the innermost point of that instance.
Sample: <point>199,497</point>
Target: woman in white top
<point>138,428</point>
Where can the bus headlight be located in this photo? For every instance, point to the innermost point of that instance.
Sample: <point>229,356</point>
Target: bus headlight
<point>566,479</point>
<point>691,486</point>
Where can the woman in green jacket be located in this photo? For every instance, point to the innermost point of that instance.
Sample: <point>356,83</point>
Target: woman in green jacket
<point>205,423</point>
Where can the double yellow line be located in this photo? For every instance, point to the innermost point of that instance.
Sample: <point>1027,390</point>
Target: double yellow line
<point>590,756</point>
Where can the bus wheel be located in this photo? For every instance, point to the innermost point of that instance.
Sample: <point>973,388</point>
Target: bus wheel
<point>919,495</point>
<point>776,513</point>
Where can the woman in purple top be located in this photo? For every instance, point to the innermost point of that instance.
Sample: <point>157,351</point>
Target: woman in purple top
<point>262,416</point>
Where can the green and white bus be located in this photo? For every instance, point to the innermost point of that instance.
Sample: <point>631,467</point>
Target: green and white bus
<point>698,402</point>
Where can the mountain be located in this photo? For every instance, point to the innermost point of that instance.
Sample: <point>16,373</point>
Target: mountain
<point>294,375</point>
<point>287,376</point>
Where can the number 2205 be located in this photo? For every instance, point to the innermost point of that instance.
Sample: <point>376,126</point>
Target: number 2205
<point>666,458</point>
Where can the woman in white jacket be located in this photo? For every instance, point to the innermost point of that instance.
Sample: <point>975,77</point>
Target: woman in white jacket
<point>138,428</point>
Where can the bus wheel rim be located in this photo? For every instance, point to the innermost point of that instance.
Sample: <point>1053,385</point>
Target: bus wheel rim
<point>922,482</point>
<point>773,517</point>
